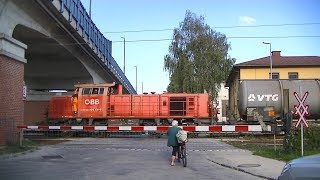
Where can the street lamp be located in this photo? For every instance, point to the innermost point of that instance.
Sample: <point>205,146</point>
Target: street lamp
<point>124,55</point>
<point>136,78</point>
<point>270,58</point>
<point>90,9</point>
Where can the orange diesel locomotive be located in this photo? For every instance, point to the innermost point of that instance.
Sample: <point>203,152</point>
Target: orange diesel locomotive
<point>104,104</point>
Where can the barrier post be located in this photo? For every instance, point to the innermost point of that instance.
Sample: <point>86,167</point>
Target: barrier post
<point>274,142</point>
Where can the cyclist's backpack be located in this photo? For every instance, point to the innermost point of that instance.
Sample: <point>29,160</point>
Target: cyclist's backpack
<point>182,136</point>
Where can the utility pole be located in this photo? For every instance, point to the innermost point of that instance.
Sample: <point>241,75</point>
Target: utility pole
<point>124,55</point>
<point>270,58</point>
<point>141,87</point>
<point>136,78</point>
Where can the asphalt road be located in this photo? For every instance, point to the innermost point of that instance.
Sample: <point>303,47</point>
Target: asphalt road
<point>120,158</point>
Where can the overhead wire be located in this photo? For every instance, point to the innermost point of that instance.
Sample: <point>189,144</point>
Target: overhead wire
<point>224,27</point>
<point>232,37</point>
<point>219,27</point>
<point>170,39</point>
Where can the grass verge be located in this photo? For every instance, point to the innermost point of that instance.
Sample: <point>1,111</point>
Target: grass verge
<point>268,151</point>
<point>27,145</point>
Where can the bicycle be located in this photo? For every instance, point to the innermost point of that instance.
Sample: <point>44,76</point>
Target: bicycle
<point>182,154</point>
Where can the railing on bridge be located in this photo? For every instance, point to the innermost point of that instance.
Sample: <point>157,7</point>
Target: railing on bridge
<point>91,34</point>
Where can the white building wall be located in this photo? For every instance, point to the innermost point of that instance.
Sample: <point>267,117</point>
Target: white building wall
<point>222,95</point>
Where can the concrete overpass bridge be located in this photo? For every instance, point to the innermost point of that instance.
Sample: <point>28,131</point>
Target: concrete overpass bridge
<point>44,45</point>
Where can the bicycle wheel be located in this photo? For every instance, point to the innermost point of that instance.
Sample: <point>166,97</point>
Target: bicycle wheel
<point>184,156</point>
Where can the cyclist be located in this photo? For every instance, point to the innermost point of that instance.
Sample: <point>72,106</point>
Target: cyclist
<point>172,140</point>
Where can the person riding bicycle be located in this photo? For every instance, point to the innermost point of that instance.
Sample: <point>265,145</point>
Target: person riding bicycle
<point>173,141</point>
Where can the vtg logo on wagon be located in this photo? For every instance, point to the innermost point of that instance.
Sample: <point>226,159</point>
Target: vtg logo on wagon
<point>91,101</point>
<point>263,97</point>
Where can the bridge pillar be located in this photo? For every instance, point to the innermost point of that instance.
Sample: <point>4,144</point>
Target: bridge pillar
<point>12,53</point>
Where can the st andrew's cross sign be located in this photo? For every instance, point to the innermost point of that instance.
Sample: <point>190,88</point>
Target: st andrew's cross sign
<point>301,110</point>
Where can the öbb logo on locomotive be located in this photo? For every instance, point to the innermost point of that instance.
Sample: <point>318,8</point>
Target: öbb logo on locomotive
<point>261,97</point>
<point>91,101</point>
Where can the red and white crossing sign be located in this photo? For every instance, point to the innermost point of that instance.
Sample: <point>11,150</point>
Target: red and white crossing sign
<point>301,109</point>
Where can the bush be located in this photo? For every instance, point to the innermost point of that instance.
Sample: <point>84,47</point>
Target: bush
<point>292,140</point>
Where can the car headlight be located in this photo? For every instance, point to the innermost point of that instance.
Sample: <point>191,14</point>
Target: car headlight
<point>286,168</point>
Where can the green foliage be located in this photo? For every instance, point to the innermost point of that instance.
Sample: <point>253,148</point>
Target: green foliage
<point>14,148</point>
<point>279,153</point>
<point>198,58</point>
<point>267,150</point>
<point>292,141</point>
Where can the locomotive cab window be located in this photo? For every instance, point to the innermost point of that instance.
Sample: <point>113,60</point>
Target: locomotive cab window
<point>86,90</point>
<point>94,91</point>
<point>101,90</point>
<point>111,90</point>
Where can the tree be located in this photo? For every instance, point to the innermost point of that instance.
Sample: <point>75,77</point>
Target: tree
<point>198,58</point>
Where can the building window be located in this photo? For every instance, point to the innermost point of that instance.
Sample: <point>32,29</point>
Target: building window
<point>293,75</point>
<point>274,75</point>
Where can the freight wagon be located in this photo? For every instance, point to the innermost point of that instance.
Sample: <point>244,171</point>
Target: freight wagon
<point>272,99</point>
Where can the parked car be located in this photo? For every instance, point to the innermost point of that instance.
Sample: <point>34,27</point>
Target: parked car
<point>307,167</point>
